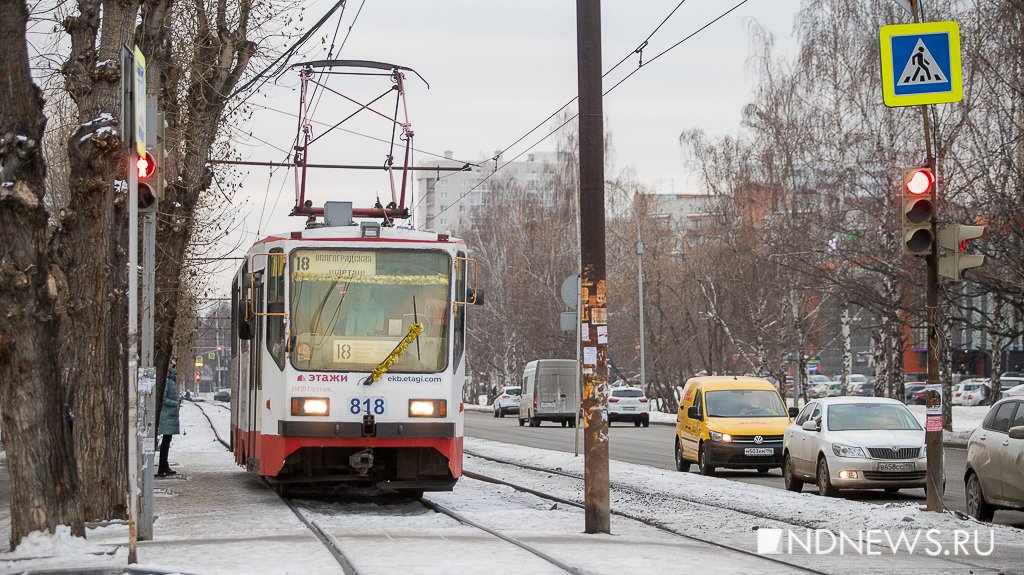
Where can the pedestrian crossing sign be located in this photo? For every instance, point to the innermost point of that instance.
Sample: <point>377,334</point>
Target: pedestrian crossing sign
<point>921,64</point>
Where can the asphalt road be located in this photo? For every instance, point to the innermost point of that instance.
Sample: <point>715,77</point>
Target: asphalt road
<point>653,446</point>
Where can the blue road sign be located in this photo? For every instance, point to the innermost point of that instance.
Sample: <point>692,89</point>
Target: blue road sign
<point>921,64</point>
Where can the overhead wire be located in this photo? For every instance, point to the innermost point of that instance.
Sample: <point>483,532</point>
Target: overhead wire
<point>640,65</point>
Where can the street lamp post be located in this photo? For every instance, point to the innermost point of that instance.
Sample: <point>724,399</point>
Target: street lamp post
<point>640,293</point>
<point>639,283</point>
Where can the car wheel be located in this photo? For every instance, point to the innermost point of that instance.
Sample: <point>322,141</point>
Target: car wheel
<point>681,464</point>
<point>501,412</point>
<point>636,423</point>
<point>892,489</point>
<point>534,422</point>
<point>788,476</point>
<point>565,424</point>
<point>522,422</point>
<point>825,487</point>
<point>763,469</point>
<point>702,462</point>
<point>647,423</point>
<point>495,413</point>
<point>977,507</point>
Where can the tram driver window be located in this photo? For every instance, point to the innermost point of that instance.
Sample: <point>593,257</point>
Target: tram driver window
<point>275,306</point>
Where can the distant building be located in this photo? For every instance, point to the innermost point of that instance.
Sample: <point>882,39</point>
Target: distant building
<point>446,200</point>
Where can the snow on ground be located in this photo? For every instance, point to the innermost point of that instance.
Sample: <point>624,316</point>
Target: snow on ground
<point>218,519</point>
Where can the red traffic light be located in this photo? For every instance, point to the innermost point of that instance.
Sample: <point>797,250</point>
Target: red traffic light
<point>197,376</point>
<point>920,182</point>
<point>145,165</point>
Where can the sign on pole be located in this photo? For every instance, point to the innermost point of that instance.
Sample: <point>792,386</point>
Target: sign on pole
<point>921,64</point>
<point>140,102</point>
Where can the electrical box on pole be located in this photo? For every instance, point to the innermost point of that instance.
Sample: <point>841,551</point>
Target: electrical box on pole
<point>953,238</point>
<point>918,210</point>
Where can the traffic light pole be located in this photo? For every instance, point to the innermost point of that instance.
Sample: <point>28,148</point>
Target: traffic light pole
<point>935,483</point>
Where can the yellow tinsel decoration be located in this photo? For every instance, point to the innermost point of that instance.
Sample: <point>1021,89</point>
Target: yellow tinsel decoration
<point>414,331</point>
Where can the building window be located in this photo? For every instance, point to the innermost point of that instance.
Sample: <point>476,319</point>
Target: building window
<point>444,195</point>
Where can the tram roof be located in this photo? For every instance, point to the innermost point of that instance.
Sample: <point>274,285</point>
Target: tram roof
<point>356,232</point>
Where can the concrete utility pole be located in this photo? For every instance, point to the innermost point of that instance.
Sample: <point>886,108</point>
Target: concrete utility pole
<point>593,297</point>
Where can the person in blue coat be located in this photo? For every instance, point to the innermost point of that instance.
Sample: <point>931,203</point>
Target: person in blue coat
<point>169,424</point>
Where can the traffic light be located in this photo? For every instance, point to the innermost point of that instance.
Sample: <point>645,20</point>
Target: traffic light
<point>918,210</point>
<point>197,375</point>
<point>953,238</point>
<point>149,200</point>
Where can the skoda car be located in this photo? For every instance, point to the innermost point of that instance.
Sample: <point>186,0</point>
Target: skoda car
<point>854,443</point>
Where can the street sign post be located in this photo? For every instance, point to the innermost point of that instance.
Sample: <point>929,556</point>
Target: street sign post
<point>921,64</point>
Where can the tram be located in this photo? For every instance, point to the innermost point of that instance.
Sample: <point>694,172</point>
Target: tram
<point>349,359</point>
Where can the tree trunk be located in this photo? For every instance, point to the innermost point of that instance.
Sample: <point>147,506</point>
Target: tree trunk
<point>44,483</point>
<point>93,358</point>
<point>844,319</point>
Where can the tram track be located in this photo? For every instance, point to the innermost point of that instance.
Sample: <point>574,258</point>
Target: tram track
<point>334,547</point>
<point>644,520</point>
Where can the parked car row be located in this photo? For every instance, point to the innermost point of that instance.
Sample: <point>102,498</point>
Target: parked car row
<point>834,443</point>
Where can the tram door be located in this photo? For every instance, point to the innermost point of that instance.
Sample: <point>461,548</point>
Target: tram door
<point>255,371</point>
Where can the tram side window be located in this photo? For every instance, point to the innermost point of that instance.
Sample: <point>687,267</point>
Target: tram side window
<point>275,306</point>
<point>460,310</point>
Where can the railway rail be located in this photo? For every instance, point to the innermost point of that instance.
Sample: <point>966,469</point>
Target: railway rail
<point>344,561</point>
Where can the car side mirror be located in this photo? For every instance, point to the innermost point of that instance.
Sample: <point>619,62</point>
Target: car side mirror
<point>694,413</point>
<point>1017,432</point>
<point>794,411</point>
<point>478,296</point>
<point>810,425</point>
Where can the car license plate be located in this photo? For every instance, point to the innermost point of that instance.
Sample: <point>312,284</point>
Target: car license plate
<point>758,451</point>
<point>629,409</point>
<point>896,467</point>
<point>367,406</point>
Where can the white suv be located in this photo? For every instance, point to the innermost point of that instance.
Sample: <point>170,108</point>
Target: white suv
<point>507,401</point>
<point>629,404</point>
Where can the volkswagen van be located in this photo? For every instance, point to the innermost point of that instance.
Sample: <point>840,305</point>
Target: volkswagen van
<point>734,422</point>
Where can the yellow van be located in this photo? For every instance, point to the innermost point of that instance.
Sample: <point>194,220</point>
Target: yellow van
<point>730,421</point>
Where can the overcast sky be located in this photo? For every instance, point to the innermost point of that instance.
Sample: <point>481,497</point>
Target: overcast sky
<point>497,70</point>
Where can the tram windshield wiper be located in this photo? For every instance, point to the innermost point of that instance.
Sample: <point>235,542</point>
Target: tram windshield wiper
<point>414,331</point>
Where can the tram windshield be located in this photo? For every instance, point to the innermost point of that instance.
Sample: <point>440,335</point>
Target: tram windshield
<point>350,308</point>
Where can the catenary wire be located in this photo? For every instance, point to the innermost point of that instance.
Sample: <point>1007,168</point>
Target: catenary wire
<point>562,125</point>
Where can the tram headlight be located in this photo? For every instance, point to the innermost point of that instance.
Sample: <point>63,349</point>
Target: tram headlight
<point>428,408</point>
<point>311,406</point>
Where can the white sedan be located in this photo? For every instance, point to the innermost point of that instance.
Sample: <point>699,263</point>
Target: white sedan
<point>854,443</point>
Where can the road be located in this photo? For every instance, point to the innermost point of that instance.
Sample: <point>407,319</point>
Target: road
<point>653,446</point>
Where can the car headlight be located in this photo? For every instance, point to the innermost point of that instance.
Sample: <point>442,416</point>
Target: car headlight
<point>311,406</point>
<point>428,408</point>
<point>847,451</point>
<point>924,451</point>
<point>723,437</point>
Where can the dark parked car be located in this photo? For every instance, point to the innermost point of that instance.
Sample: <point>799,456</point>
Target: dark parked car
<point>911,393</point>
<point>222,395</point>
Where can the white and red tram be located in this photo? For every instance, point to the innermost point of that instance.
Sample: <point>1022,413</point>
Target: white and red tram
<point>349,358</point>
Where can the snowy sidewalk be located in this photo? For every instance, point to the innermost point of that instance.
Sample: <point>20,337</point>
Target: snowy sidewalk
<point>212,518</point>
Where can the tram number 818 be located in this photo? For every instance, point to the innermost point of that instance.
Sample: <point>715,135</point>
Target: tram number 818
<point>367,405</point>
